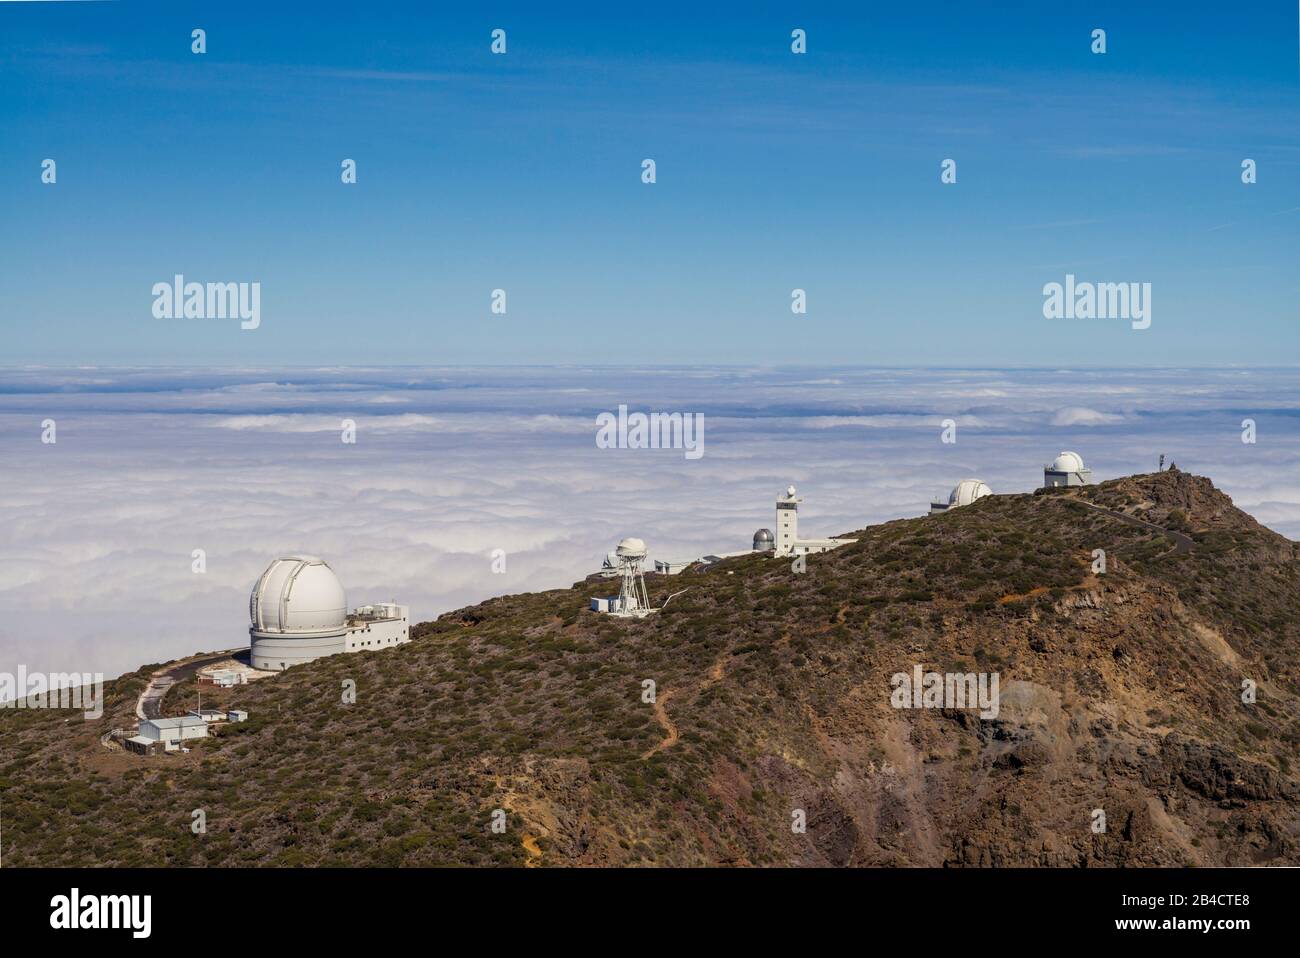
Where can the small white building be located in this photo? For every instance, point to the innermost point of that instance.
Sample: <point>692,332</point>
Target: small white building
<point>1067,469</point>
<point>963,494</point>
<point>715,557</point>
<point>236,715</point>
<point>667,567</point>
<point>172,731</point>
<point>141,745</point>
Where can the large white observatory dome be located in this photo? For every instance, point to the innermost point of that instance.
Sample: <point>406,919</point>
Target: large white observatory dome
<point>967,491</point>
<point>298,594</point>
<point>1067,462</point>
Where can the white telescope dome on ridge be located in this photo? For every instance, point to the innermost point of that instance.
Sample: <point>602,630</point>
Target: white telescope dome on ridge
<point>1067,469</point>
<point>967,491</point>
<point>298,612</point>
<point>631,547</point>
<point>298,594</point>
<point>1067,462</point>
<point>963,494</point>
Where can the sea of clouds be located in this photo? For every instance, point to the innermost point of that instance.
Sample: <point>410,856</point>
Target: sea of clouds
<point>97,529</point>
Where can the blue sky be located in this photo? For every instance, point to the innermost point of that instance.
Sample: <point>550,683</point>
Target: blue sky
<point>775,171</point>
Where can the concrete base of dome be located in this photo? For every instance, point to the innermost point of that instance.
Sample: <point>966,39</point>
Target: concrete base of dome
<point>367,631</point>
<point>1054,480</point>
<point>272,652</point>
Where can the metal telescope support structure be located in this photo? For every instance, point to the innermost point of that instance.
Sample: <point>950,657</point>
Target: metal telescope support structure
<point>633,599</point>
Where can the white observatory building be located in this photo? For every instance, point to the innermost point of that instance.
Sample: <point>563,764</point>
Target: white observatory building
<point>632,600</point>
<point>298,612</point>
<point>1067,469</point>
<point>963,494</point>
<point>788,542</point>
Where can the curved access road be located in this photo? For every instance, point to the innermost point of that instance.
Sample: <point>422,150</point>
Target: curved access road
<point>1182,543</point>
<point>149,704</point>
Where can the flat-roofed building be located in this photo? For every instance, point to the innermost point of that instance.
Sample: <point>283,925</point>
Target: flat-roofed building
<point>672,567</point>
<point>141,745</point>
<point>172,731</point>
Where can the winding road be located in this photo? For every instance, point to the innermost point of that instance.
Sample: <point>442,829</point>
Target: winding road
<point>1182,543</point>
<point>149,705</point>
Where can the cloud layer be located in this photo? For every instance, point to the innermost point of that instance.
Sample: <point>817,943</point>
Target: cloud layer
<point>98,529</point>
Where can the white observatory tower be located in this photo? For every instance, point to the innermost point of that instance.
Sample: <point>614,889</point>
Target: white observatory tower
<point>633,599</point>
<point>787,542</point>
<point>787,522</point>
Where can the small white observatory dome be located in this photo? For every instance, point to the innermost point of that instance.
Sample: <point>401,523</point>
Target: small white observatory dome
<point>298,594</point>
<point>1067,462</point>
<point>631,547</point>
<point>764,541</point>
<point>967,491</point>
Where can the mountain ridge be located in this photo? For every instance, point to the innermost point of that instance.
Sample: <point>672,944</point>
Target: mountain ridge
<point>1120,692</point>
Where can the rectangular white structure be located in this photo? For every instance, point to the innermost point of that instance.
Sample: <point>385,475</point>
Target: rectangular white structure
<point>377,627</point>
<point>171,730</point>
<point>665,567</point>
